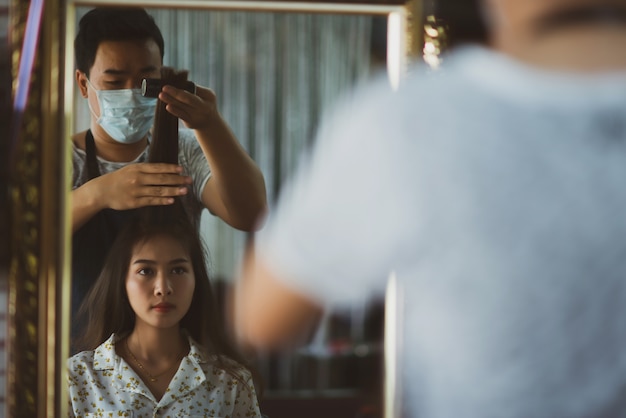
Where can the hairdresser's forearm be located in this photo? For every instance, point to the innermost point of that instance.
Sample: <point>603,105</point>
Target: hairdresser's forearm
<point>268,314</point>
<point>84,204</point>
<point>236,191</point>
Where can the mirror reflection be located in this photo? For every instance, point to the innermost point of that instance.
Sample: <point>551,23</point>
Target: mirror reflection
<point>274,75</point>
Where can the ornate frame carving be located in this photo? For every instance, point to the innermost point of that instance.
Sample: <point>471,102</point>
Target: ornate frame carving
<point>38,281</point>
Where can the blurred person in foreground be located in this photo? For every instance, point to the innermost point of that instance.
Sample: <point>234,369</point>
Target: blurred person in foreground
<point>495,191</point>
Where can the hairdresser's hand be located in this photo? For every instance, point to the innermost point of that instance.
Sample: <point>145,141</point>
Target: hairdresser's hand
<point>236,190</point>
<point>197,111</point>
<point>133,186</point>
<point>142,184</point>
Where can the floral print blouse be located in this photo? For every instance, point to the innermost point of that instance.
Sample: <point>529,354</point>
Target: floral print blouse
<point>102,384</point>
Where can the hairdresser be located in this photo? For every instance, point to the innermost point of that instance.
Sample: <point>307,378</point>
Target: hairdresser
<point>116,48</point>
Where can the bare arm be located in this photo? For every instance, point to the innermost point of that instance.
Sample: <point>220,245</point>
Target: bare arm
<point>133,186</point>
<point>236,190</point>
<point>267,314</point>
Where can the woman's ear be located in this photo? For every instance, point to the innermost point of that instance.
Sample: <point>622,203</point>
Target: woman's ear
<point>81,80</point>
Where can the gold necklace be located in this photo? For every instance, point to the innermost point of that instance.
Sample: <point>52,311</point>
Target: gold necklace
<point>153,378</point>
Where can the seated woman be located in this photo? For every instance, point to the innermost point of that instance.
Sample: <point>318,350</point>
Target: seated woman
<point>154,339</point>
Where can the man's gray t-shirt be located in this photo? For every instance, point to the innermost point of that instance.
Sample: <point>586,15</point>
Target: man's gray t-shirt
<point>190,157</point>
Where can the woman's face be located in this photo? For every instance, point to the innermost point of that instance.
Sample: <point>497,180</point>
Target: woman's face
<point>160,282</point>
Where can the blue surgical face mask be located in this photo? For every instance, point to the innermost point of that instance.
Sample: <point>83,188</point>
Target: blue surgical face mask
<point>125,114</point>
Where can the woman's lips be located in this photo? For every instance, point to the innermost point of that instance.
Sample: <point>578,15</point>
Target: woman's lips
<point>163,307</point>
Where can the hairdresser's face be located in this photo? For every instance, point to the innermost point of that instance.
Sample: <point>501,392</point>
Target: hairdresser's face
<point>120,65</point>
<point>160,282</point>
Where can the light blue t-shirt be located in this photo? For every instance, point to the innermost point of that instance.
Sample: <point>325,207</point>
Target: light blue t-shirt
<point>497,194</point>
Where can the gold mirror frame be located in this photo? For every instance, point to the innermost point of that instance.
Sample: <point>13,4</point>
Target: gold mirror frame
<point>39,279</point>
<point>38,313</point>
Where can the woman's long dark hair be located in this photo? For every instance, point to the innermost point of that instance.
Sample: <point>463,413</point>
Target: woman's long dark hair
<point>106,309</point>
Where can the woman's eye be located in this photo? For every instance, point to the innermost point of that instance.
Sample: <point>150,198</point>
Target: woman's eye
<point>144,271</point>
<point>179,270</point>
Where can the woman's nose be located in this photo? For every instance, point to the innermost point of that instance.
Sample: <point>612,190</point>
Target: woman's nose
<point>163,286</point>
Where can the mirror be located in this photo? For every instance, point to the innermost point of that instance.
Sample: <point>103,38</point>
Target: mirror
<point>247,84</point>
<point>275,70</point>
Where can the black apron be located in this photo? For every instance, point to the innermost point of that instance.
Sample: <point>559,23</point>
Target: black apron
<point>91,243</point>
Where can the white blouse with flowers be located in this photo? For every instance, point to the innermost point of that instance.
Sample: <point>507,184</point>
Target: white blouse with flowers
<point>102,384</point>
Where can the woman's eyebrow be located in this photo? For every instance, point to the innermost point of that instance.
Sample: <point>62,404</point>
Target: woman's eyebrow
<point>144,261</point>
<point>179,261</point>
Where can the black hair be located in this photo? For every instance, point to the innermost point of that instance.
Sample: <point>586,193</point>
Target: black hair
<point>112,24</point>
